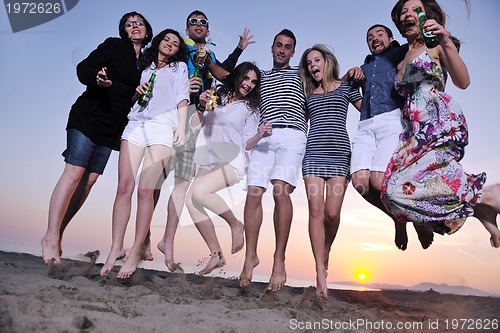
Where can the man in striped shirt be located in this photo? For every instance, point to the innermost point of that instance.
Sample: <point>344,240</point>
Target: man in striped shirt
<point>277,158</point>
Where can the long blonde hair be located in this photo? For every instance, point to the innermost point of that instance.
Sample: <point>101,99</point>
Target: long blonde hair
<point>331,71</point>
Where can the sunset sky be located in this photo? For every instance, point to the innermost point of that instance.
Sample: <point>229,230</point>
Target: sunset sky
<point>39,85</point>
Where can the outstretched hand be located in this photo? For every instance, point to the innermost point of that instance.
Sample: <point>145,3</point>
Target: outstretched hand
<point>245,40</point>
<point>265,129</point>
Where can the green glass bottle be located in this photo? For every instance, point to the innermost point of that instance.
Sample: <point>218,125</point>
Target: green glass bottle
<point>196,72</point>
<point>144,99</point>
<point>430,39</point>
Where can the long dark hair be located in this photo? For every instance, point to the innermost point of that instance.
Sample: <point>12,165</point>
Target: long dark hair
<point>123,32</point>
<point>151,53</point>
<point>432,11</point>
<point>232,82</point>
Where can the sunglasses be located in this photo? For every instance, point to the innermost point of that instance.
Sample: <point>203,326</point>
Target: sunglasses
<point>132,23</point>
<point>195,21</point>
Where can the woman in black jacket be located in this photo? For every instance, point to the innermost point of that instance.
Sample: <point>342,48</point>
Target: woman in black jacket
<point>96,121</point>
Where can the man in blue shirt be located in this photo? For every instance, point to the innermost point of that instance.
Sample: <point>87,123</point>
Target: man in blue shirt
<point>380,123</point>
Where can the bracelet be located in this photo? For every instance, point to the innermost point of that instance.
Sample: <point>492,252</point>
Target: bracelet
<point>200,108</point>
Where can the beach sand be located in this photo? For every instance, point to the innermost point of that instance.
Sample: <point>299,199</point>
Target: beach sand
<point>72,297</point>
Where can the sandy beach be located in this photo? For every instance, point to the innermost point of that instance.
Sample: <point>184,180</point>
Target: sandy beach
<point>72,297</point>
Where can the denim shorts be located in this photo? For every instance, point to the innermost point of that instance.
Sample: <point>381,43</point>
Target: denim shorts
<point>81,151</point>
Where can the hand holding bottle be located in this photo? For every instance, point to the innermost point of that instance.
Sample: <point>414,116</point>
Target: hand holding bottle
<point>210,102</point>
<point>102,78</point>
<point>439,32</point>
<point>142,88</point>
<point>146,91</point>
<point>427,29</point>
<point>201,55</point>
<point>207,95</point>
<point>194,84</point>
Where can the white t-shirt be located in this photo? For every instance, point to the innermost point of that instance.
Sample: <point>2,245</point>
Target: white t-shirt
<point>171,87</point>
<point>223,136</point>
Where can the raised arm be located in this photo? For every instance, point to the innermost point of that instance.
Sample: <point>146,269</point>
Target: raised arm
<point>232,59</point>
<point>216,70</point>
<point>448,55</point>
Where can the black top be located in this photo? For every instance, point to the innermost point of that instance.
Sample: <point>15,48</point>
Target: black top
<point>101,113</point>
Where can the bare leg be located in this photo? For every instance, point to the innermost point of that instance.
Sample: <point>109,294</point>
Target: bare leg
<point>128,163</point>
<point>335,192</point>
<point>368,184</point>
<point>78,199</point>
<point>324,222</point>
<point>425,234</point>
<point>146,253</point>
<point>317,232</point>
<point>491,197</point>
<point>155,159</point>
<point>59,202</point>
<point>488,217</point>
<point>207,230</point>
<point>208,183</point>
<point>174,210</point>
<point>252,216</point>
<point>203,195</point>
<point>488,210</point>
<point>283,213</point>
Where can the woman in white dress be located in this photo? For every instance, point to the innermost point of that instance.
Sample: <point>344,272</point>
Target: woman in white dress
<point>227,134</point>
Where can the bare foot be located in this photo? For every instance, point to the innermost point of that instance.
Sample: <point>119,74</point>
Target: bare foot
<point>51,250</point>
<point>216,260</point>
<point>491,197</point>
<point>401,237</point>
<point>246,274</point>
<point>495,239</point>
<point>113,256</point>
<point>425,234</point>
<point>168,251</point>
<point>130,265</point>
<point>278,277</point>
<point>146,253</point>
<point>488,217</point>
<point>321,286</point>
<point>237,237</point>
<point>327,259</point>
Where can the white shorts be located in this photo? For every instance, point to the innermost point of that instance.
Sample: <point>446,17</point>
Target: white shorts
<point>375,141</point>
<point>148,133</point>
<point>277,157</point>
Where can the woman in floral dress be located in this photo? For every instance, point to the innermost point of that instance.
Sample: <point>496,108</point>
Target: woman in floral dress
<point>424,181</point>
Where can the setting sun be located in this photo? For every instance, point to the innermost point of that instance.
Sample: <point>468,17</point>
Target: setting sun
<point>361,276</point>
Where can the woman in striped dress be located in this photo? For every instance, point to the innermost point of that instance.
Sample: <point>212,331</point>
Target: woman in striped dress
<point>327,159</point>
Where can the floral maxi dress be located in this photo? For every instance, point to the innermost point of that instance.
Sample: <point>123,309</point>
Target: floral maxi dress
<point>424,181</point>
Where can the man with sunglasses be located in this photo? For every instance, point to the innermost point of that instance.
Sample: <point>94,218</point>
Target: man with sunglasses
<point>197,30</point>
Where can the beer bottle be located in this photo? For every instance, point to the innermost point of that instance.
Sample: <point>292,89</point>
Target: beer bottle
<point>144,99</point>
<point>201,54</point>
<point>430,39</point>
<point>210,103</point>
